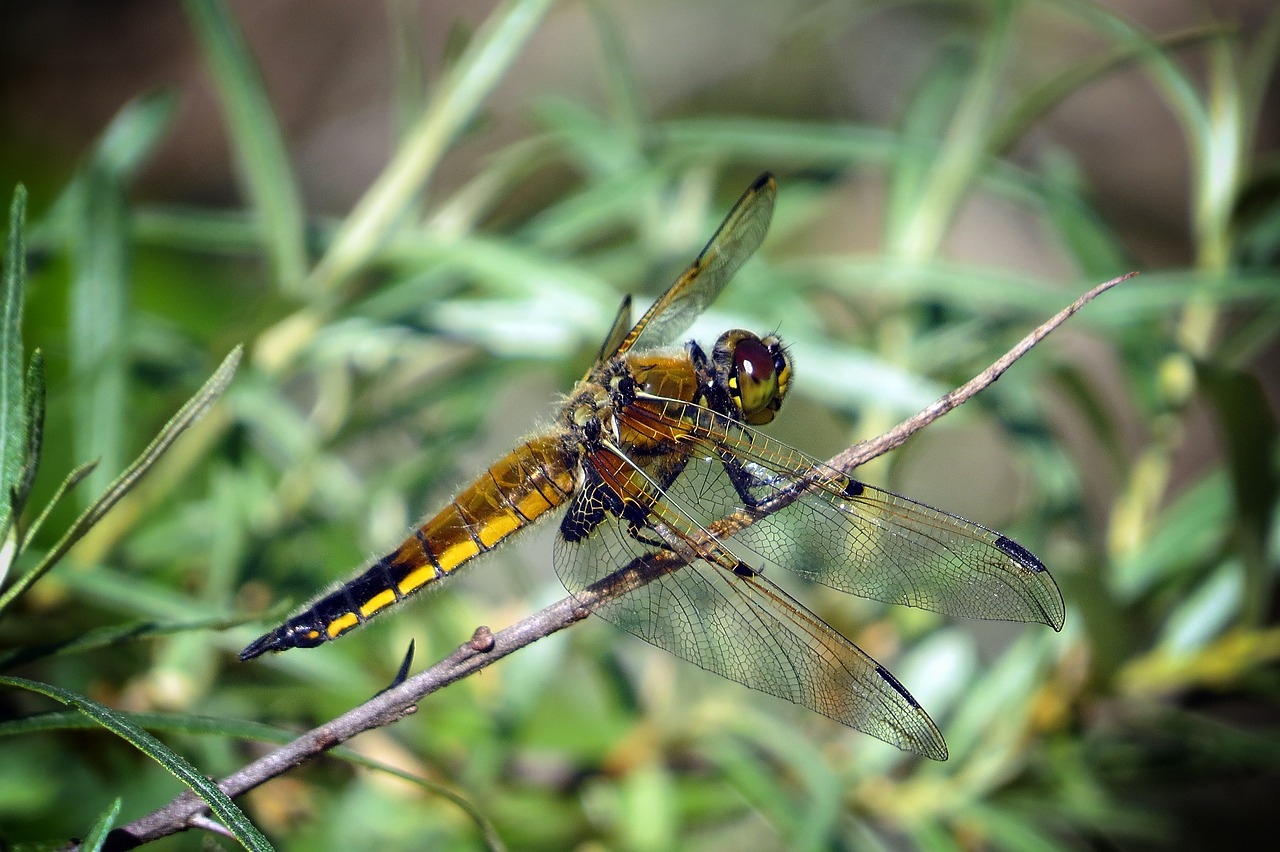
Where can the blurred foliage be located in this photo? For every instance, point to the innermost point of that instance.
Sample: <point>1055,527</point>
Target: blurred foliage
<point>390,350</point>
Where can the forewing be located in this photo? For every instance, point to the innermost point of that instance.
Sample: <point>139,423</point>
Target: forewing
<point>848,535</point>
<point>743,627</point>
<point>617,333</point>
<point>734,241</point>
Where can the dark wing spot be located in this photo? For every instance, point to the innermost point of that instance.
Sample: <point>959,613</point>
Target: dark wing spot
<point>853,488</point>
<point>897,685</point>
<point>1019,554</point>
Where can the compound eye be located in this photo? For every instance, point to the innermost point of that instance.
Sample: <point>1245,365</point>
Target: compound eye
<point>756,377</point>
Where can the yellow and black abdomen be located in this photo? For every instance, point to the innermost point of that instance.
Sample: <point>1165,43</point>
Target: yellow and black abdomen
<point>530,481</point>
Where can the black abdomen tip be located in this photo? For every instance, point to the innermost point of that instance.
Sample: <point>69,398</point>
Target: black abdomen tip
<point>291,634</point>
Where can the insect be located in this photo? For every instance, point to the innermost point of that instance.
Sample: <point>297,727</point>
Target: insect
<point>654,460</point>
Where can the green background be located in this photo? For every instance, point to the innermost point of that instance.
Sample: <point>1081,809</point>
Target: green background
<point>419,218</point>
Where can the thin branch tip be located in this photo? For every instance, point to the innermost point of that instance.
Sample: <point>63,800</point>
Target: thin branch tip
<point>864,451</point>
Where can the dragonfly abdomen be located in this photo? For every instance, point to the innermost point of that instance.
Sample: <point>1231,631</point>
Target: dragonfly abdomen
<point>528,482</point>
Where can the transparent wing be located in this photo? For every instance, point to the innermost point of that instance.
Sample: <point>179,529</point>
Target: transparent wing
<point>617,333</point>
<point>845,534</point>
<point>734,241</point>
<point>716,613</point>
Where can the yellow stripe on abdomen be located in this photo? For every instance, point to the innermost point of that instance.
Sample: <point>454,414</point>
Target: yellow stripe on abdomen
<point>383,599</point>
<point>341,624</point>
<point>530,481</point>
<point>517,490</point>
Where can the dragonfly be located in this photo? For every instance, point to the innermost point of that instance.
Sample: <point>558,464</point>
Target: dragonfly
<point>654,459</point>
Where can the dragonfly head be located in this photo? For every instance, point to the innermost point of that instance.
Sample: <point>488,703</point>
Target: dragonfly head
<point>755,371</point>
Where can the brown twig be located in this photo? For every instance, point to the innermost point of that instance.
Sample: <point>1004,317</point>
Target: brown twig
<point>473,655</point>
<point>864,451</point>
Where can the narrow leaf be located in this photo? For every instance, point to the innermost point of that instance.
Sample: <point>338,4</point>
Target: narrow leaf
<point>71,480</point>
<point>13,545</point>
<point>221,805</point>
<point>100,237</point>
<point>409,62</point>
<point>188,414</point>
<point>35,394</point>
<point>13,431</point>
<point>188,723</point>
<point>101,827</point>
<point>460,96</point>
<point>98,301</point>
<point>257,138</point>
<point>115,635</point>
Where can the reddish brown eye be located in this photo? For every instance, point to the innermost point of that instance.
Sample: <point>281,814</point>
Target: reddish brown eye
<point>757,380</point>
<point>753,361</point>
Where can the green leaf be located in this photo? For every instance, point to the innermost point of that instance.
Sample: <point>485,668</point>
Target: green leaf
<point>1191,529</point>
<point>922,224</point>
<point>1204,613</point>
<point>13,429</point>
<point>409,62</point>
<point>100,237</point>
<point>1028,110</point>
<point>1250,432</point>
<point>988,729</point>
<point>198,725</point>
<point>156,721</point>
<point>119,634</point>
<point>134,133</point>
<point>101,827</point>
<point>34,408</point>
<point>918,152</point>
<point>257,139</point>
<point>219,803</point>
<point>71,480</point>
<point>648,805</point>
<point>1005,829</point>
<point>626,97</point>
<point>188,414</point>
<point>1095,248</point>
<point>453,106</point>
<point>98,304</point>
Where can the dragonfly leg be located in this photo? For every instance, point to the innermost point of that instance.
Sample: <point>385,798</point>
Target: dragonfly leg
<point>744,482</point>
<point>639,534</point>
